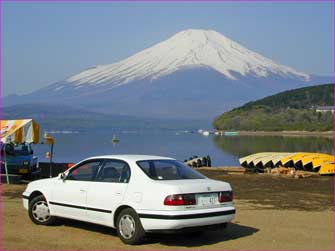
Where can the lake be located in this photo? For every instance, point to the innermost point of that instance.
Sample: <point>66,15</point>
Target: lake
<point>223,150</point>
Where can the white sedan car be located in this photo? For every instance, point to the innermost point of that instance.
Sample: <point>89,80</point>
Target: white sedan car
<point>134,194</point>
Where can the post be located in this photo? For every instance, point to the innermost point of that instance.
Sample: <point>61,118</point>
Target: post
<point>51,153</point>
<point>5,158</point>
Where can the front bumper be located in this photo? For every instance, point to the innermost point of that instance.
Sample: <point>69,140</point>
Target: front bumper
<point>25,200</point>
<point>153,221</point>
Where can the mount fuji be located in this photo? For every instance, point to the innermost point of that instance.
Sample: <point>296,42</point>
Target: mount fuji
<point>193,74</point>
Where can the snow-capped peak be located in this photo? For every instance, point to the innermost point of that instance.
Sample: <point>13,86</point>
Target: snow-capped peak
<point>186,49</point>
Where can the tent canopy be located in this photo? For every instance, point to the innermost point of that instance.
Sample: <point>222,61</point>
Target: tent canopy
<point>20,131</point>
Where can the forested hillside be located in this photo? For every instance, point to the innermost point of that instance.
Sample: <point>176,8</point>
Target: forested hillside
<point>289,110</point>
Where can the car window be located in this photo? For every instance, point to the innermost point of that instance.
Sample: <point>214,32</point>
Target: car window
<point>84,172</point>
<point>168,170</point>
<point>22,149</point>
<point>115,171</point>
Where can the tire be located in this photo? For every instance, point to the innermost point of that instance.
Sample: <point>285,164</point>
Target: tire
<point>39,212</point>
<point>129,227</point>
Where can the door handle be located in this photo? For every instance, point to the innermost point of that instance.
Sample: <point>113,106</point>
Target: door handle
<point>82,190</point>
<point>118,193</point>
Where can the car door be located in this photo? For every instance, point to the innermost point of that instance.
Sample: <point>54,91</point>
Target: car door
<point>69,194</point>
<point>108,190</point>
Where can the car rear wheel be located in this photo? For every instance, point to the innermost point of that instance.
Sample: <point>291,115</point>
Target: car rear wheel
<point>129,227</point>
<point>39,211</point>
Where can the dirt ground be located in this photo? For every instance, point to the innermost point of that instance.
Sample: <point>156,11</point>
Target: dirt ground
<point>273,213</point>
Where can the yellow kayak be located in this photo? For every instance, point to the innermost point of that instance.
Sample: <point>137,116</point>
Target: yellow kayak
<point>248,160</point>
<point>272,159</point>
<point>289,160</point>
<point>328,168</point>
<point>316,160</point>
<point>277,159</point>
<point>263,159</point>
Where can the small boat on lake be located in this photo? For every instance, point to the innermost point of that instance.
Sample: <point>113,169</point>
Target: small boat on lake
<point>228,133</point>
<point>114,139</point>
<point>205,133</point>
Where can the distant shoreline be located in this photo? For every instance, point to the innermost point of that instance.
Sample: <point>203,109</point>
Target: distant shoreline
<point>286,133</point>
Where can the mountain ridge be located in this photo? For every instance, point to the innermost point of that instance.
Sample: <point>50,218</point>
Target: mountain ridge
<point>194,48</point>
<point>193,74</point>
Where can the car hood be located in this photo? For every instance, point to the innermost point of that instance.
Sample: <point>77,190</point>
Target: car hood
<point>41,183</point>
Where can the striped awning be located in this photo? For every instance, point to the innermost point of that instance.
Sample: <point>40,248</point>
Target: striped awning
<point>19,131</point>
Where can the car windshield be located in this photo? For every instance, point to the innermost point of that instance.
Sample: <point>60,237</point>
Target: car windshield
<point>22,149</point>
<point>168,170</point>
<point>16,150</point>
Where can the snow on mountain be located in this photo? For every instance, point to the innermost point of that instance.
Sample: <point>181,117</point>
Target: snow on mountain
<point>186,49</point>
<point>194,74</point>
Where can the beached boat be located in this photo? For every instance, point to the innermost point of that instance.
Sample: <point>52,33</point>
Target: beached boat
<point>115,140</point>
<point>230,133</point>
<point>205,133</point>
<point>260,160</point>
<point>288,161</point>
<point>327,169</point>
<point>249,161</point>
<point>272,159</point>
<point>278,157</point>
<point>316,162</point>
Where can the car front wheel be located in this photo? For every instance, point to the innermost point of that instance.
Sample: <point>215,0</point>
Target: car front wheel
<point>39,211</point>
<point>129,227</point>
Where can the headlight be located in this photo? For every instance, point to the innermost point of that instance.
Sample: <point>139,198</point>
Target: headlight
<point>25,163</point>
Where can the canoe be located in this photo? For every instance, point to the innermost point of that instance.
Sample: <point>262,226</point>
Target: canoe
<point>260,160</point>
<point>277,159</point>
<point>272,160</point>
<point>327,169</point>
<point>263,159</point>
<point>320,161</point>
<point>317,159</point>
<point>302,160</point>
<point>244,161</point>
<point>248,161</point>
<point>290,160</point>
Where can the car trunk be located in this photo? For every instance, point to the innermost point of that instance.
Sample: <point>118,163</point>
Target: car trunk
<point>199,185</point>
<point>204,192</point>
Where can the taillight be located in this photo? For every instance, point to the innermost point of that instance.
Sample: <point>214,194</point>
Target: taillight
<point>180,200</point>
<point>225,196</point>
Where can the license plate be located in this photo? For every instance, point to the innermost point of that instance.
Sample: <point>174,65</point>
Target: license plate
<point>21,170</point>
<point>207,199</point>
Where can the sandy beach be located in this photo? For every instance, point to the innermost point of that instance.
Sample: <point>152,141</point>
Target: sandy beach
<point>272,213</point>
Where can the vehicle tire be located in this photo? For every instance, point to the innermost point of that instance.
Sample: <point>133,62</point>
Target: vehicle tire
<point>129,227</point>
<point>39,211</point>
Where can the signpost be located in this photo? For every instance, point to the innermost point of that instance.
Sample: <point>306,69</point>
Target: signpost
<point>5,160</point>
<point>50,141</point>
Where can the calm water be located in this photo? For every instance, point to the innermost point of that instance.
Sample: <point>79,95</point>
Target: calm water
<point>225,150</point>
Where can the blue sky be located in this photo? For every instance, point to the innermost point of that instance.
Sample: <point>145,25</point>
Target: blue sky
<point>46,42</point>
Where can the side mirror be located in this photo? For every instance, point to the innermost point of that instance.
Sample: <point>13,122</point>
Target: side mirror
<point>62,176</point>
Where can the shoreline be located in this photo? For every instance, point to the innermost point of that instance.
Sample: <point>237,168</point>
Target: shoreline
<point>286,133</point>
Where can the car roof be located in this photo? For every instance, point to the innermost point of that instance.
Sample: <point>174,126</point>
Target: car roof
<point>129,157</point>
